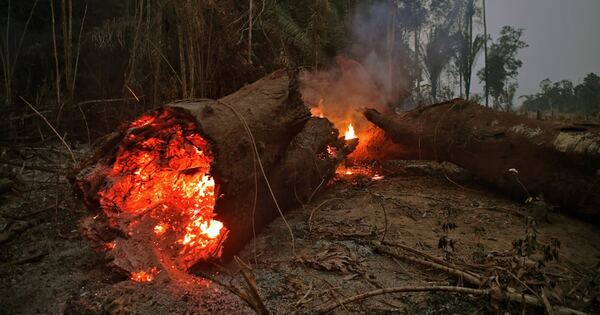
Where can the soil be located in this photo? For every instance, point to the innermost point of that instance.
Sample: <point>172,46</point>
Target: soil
<point>46,267</point>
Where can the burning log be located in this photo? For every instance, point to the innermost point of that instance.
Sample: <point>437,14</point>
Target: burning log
<point>519,155</point>
<point>187,182</point>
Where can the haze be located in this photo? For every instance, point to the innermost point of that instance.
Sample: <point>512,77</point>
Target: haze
<point>563,38</point>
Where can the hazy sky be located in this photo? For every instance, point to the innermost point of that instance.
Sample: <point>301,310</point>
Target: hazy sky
<point>563,38</point>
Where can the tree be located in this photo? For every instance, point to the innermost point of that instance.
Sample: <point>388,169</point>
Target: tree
<point>436,56</point>
<point>485,48</point>
<point>503,65</point>
<point>564,97</point>
<point>588,94</point>
<point>468,47</point>
<point>414,15</point>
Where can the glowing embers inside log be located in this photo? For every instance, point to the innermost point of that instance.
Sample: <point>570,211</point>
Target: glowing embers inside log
<point>161,189</point>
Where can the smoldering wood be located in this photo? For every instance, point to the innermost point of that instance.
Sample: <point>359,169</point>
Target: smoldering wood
<point>557,160</point>
<point>293,149</point>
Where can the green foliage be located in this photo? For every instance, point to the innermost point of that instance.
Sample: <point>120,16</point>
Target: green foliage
<point>437,55</point>
<point>503,67</point>
<point>468,45</point>
<point>315,29</point>
<point>563,97</point>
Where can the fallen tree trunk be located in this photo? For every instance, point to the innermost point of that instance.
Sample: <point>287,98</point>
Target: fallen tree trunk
<point>561,162</point>
<point>298,153</point>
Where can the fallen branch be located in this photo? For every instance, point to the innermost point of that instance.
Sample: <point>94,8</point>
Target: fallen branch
<point>250,279</point>
<point>32,258</point>
<point>495,293</point>
<point>331,307</point>
<point>425,255</point>
<point>110,100</point>
<point>33,167</point>
<point>238,292</point>
<point>30,214</point>
<point>468,277</point>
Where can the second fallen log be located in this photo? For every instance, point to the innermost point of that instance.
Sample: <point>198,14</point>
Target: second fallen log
<point>560,161</point>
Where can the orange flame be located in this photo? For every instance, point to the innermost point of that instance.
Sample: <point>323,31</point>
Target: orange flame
<point>349,135</point>
<point>144,276</point>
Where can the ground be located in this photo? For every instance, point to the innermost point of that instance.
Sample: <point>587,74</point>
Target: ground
<point>46,267</point>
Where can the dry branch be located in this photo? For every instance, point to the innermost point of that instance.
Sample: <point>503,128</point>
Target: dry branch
<point>494,292</point>
<point>331,307</point>
<point>455,271</point>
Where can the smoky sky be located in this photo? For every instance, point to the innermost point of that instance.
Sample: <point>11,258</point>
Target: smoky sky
<point>563,38</point>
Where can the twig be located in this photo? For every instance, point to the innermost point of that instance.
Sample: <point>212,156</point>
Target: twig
<point>31,167</point>
<point>241,294</point>
<point>132,93</point>
<point>317,208</point>
<point>51,127</point>
<point>315,191</point>
<point>251,282</point>
<point>576,286</point>
<point>525,285</point>
<point>109,100</point>
<point>381,199</point>
<point>25,260</point>
<point>302,300</point>
<point>425,255</point>
<point>470,278</point>
<point>547,303</point>
<point>331,307</point>
<point>333,291</point>
<point>30,214</point>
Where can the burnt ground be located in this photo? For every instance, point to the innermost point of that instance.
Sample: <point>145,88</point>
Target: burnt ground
<point>46,267</point>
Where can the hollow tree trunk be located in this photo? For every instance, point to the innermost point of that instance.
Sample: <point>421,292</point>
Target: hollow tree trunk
<point>299,154</point>
<point>561,162</point>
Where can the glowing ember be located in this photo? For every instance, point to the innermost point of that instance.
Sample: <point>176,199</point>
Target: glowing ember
<point>144,276</point>
<point>349,135</point>
<point>332,152</point>
<point>357,171</point>
<point>212,229</point>
<point>110,246</point>
<point>161,184</point>
<point>160,228</point>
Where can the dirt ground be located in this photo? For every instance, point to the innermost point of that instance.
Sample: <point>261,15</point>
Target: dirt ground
<point>46,268</point>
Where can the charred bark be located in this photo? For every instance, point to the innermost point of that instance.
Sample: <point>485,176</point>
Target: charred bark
<point>561,162</point>
<point>298,154</point>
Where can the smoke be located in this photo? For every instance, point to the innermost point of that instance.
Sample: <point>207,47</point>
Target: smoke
<point>372,72</point>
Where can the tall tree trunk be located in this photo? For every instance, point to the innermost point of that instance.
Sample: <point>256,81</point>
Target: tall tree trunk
<point>470,57</point>
<point>391,43</point>
<point>250,32</point>
<point>434,87</point>
<point>417,32</point>
<point>485,45</point>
